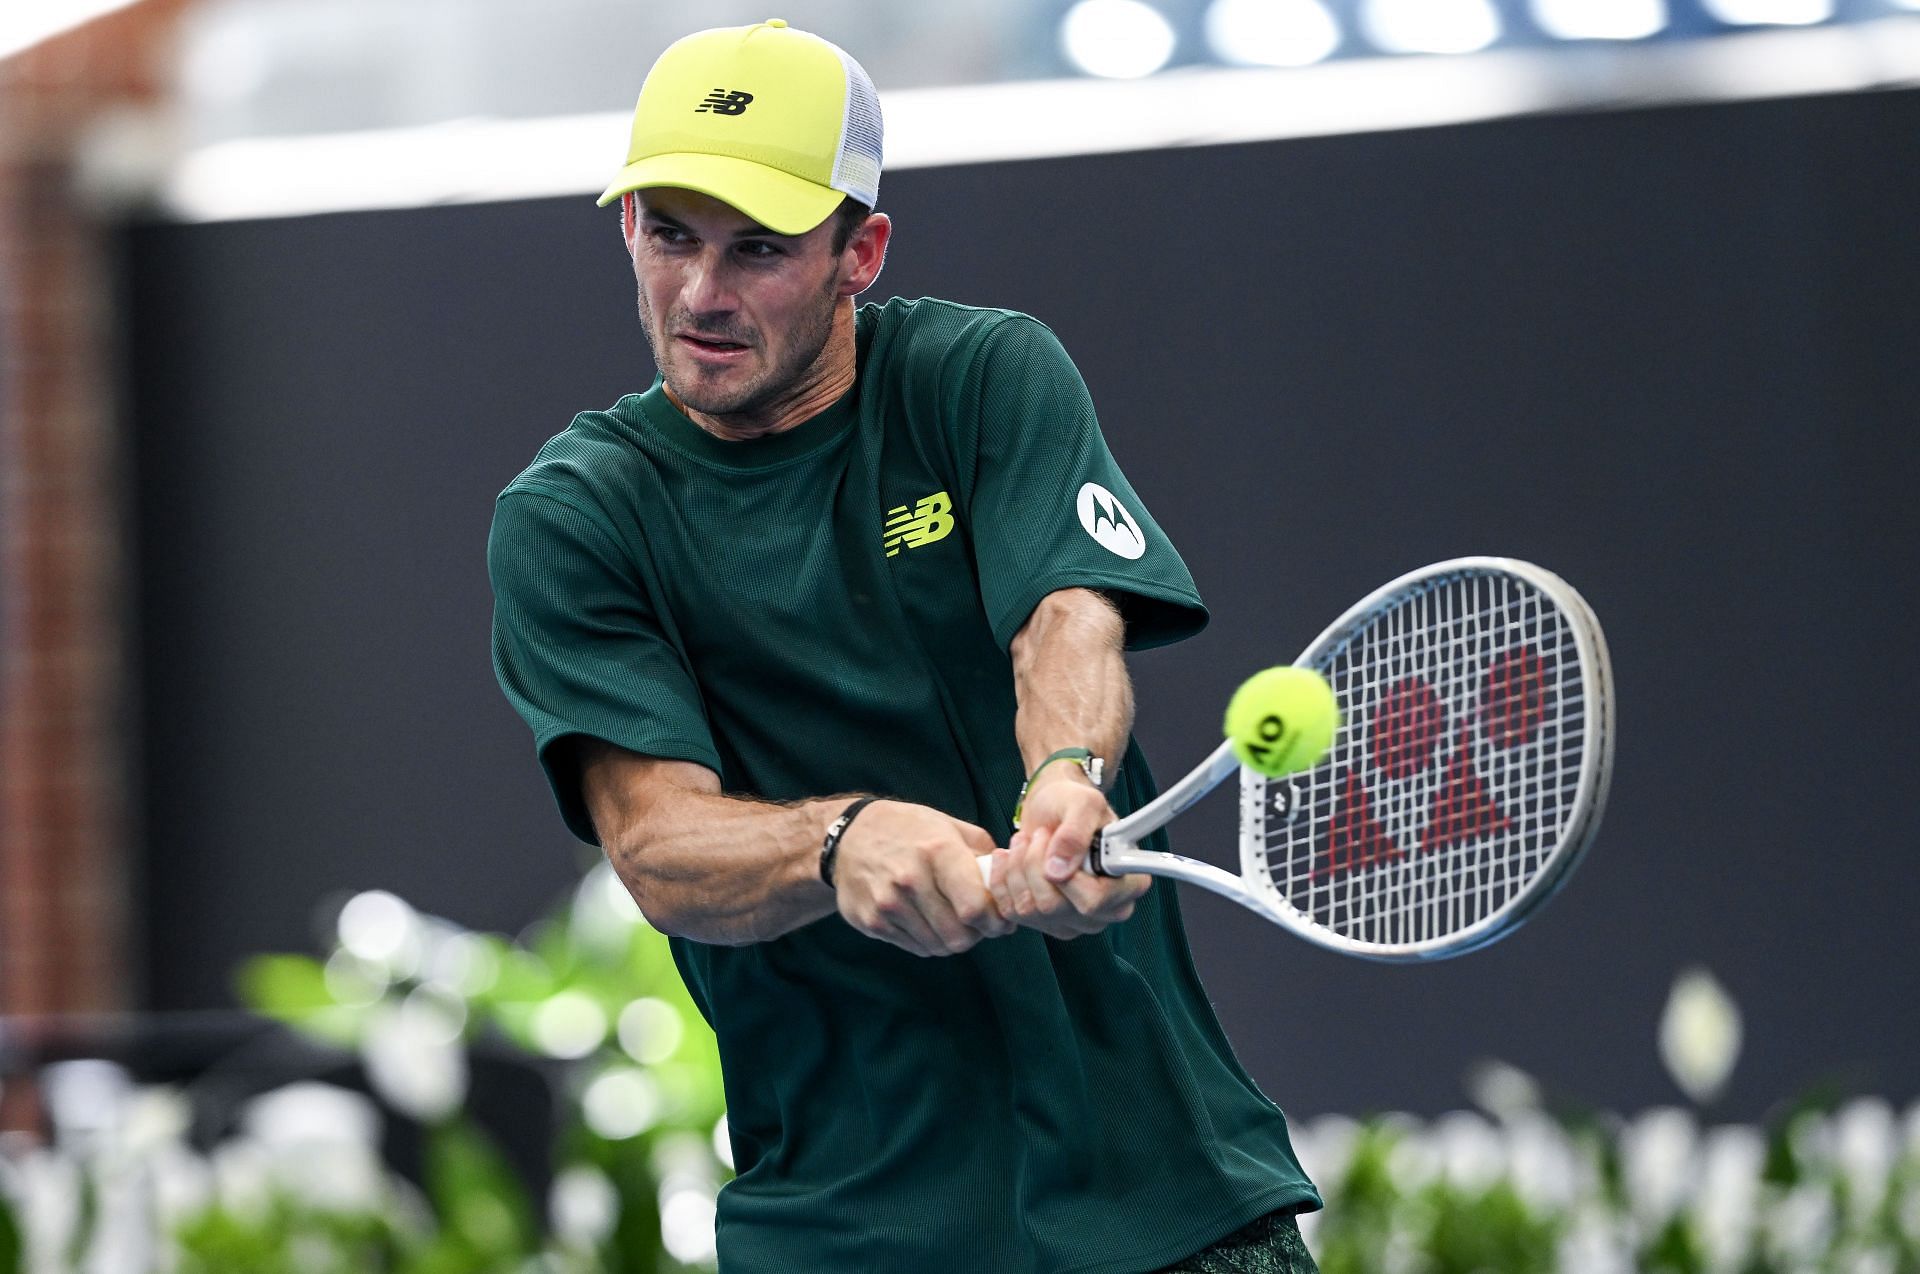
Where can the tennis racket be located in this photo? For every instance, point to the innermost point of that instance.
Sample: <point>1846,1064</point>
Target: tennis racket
<point>1466,780</point>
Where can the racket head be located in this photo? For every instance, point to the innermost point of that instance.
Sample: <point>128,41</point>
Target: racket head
<point>1468,776</point>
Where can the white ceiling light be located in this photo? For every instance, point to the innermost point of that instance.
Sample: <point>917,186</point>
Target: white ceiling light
<point>1272,32</point>
<point>24,23</point>
<point>1600,19</point>
<point>1785,13</point>
<point>1430,26</point>
<point>1116,39</point>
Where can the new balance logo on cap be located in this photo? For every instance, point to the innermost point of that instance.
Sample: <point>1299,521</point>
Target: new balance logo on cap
<point>723,102</point>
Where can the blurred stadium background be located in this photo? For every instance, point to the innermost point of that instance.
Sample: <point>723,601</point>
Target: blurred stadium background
<point>290,288</point>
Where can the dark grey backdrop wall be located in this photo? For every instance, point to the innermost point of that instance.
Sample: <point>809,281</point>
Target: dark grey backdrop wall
<point>1669,353</point>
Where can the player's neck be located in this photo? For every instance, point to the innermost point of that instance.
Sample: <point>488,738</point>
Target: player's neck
<point>815,390</point>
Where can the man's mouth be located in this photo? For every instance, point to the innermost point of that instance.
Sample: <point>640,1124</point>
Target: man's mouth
<point>711,344</point>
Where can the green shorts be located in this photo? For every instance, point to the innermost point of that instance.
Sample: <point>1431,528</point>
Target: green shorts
<point>1269,1245</point>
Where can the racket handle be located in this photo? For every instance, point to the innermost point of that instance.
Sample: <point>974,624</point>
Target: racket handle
<point>985,861</point>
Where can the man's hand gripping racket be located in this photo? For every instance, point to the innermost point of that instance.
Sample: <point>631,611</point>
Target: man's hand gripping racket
<point>1466,777</point>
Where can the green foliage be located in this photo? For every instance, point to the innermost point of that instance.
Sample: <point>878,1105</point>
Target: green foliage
<point>481,1205</point>
<point>1374,1221</point>
<point>591,1000</point>
<point>289,1237</point>
<point>595,955</point>
<point>1656,1195</point>
<point>293,989</point>
<point>12,1242</point>
<point>1474,1231</point>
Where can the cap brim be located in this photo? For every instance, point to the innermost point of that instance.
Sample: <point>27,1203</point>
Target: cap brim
<point>780,201</point>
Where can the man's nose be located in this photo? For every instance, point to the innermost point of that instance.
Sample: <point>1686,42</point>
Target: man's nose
<point>708,289</point>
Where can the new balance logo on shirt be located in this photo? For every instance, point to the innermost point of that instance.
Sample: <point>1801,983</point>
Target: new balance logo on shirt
<point>928,520</point>
<point>723,102</point>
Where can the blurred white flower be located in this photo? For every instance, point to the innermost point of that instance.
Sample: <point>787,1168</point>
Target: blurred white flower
<point>1812,1139</point>
<point>1658,1162</point>
<point>569,1025</point>
<point>1501,1090</point>
<point>87,1101</point>
<point>1413,1162</point>
<point>1404,1251</point>
<point>604,913</point>
<point>183,1185</point>
<point>156,1118</point>
<point>584,1206</point>
<point>414,1056</point>
<point>355,982</point>
<point>1727,1204</point>
<point>381,928</point>
<point>1866,1146</point>
<point>1595,1244</point>
<point>1325,1146</point>
<point>1545,1169</point>
<point>650,1030</point>
<point>123,1235</point>
<point>687,1225</point>
<point>1800,1228</point>
<point>684,1157</point>
<point>307,1112</point>
<point>1700,1034</point>
<point>243,1178</point>
<point>1472,1154</point>
<point>723,1143</point>
<point>49,1207</point>
<point>621,1103</point>
<point>320,1143</point>
<point>683,1161</point>
<point>459,961</point>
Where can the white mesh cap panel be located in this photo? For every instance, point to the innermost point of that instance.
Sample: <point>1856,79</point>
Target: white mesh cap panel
<point>856,169</point>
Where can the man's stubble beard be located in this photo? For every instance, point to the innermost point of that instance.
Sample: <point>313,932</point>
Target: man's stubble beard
<point>810,339</point>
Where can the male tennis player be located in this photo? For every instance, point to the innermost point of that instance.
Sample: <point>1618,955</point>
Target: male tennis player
<point>799,632</point>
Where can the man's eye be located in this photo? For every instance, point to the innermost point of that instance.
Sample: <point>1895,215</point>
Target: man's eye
<point>666,234</point>
<point>759,248</point>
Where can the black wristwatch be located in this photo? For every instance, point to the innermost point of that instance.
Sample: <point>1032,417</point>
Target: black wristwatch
<point>830,848</point>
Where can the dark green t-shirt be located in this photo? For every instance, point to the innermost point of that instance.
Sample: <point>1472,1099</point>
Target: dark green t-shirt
<point>829,609</point>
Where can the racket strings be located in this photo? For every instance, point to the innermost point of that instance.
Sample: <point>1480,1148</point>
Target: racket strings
<point>1455,773</point>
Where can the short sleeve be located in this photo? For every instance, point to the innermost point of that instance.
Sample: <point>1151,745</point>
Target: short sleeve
<point>1048,506</point>
<point>578,647</point>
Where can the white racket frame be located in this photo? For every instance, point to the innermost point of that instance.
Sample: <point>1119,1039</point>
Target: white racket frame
<point>1116,851</point>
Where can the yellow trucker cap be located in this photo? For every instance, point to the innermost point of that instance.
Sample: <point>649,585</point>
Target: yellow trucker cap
<point>776,122</point>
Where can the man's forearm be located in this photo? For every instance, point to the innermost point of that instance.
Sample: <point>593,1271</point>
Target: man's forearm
<point>1070,678</point>
<point>1070,674</point>
<point>732,871</point>
<point>727,871</point>
<point>701,865</point>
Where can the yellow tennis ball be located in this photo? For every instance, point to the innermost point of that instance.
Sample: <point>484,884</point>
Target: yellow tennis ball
<point>1282,720</point>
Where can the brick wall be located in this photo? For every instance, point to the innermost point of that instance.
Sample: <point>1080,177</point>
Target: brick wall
<point>64,592</point>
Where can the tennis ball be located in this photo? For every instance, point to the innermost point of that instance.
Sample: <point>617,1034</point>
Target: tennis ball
<point>1282,720</point>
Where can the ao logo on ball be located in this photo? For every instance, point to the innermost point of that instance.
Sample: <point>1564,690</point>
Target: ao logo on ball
<point>1109,523</point>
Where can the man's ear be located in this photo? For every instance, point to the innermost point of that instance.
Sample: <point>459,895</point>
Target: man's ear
<point>866,252</point>
<point>630,220</point>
